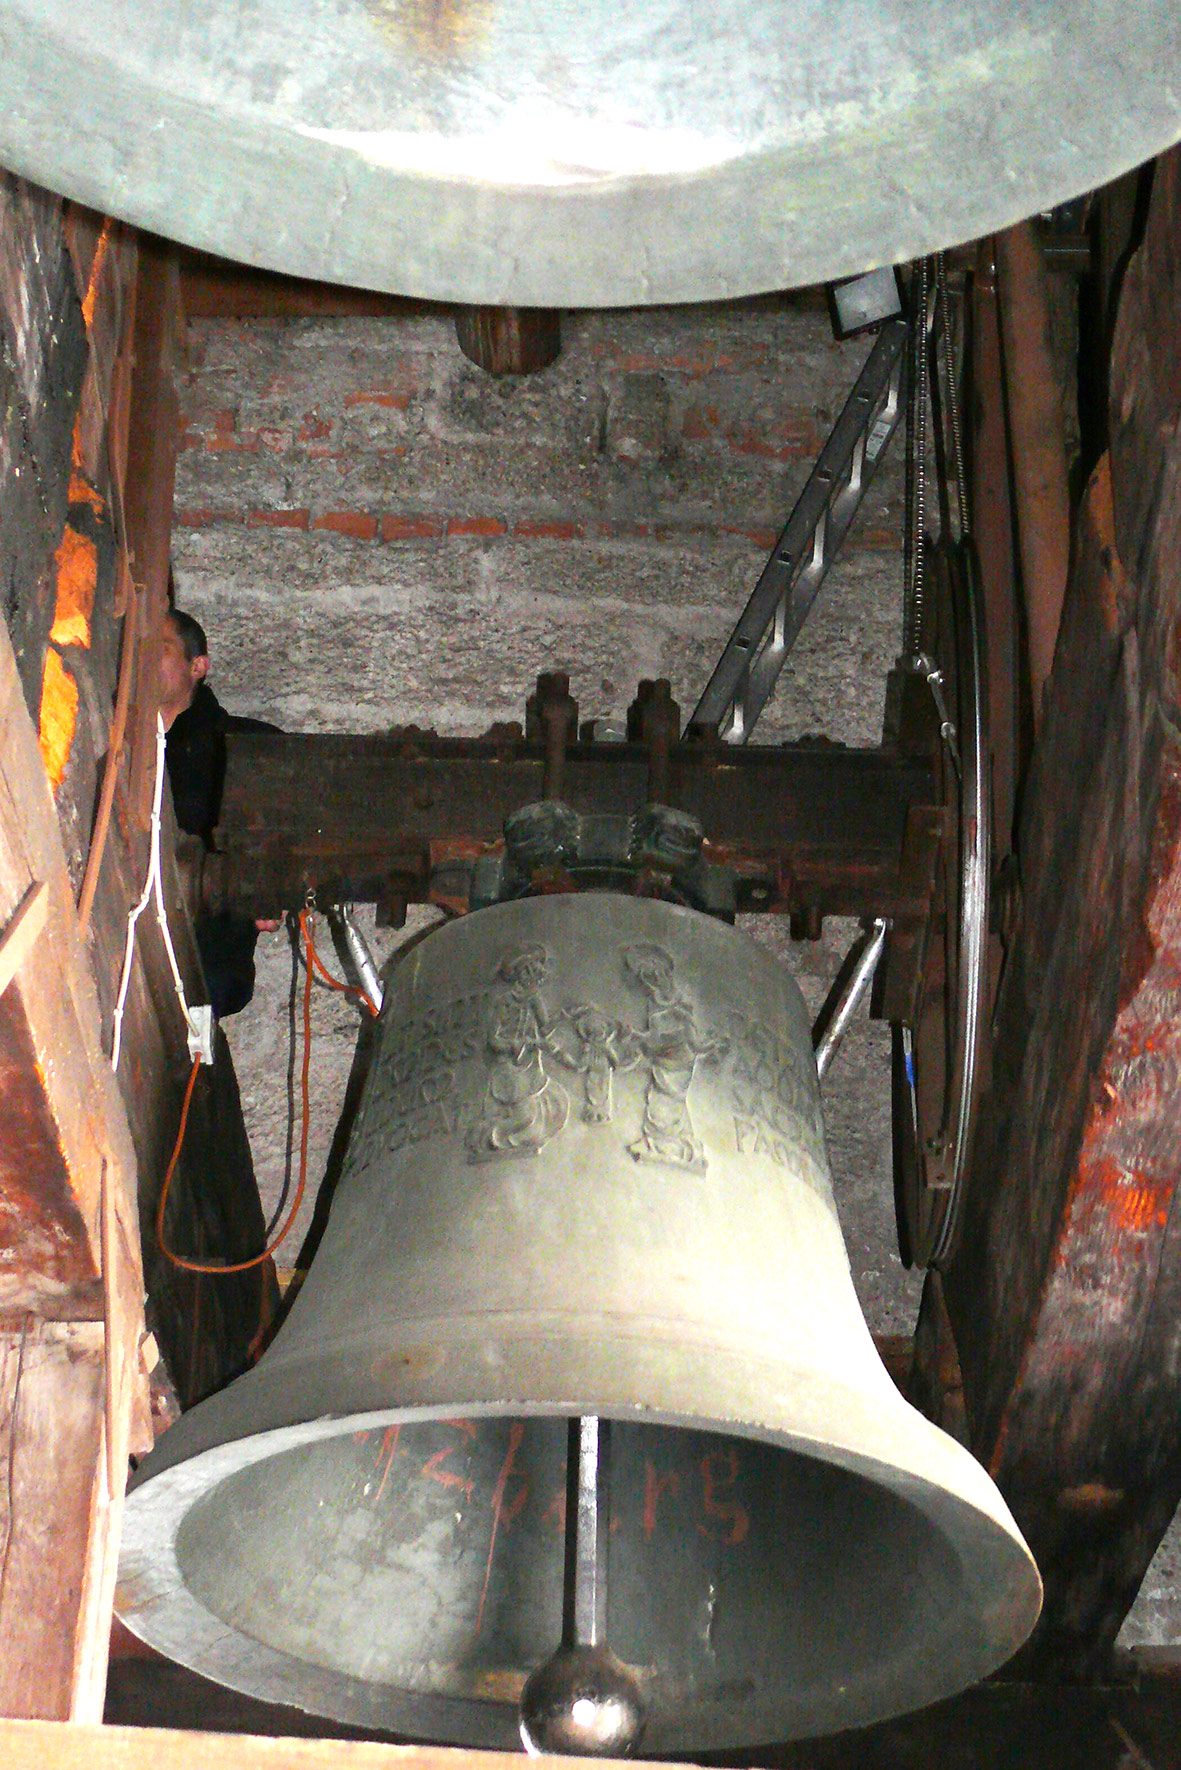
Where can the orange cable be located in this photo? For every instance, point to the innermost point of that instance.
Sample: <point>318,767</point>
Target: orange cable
<point>132,615</point>
<point>129,645</point>
<point>248,1265</point>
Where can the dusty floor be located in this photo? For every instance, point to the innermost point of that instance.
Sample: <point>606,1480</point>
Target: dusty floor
<point>374,533</point>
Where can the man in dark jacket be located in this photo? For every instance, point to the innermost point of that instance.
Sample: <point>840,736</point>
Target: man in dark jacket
<point>196,724</point>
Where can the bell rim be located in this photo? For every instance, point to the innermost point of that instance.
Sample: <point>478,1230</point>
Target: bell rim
<point>436,1339</point>
<point>758,222</point>
<point>1001,1583</point>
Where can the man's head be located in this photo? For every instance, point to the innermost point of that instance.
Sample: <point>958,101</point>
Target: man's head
<point>184,662</point>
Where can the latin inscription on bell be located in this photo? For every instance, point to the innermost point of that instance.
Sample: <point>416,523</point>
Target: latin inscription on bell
<point>509,1069</point>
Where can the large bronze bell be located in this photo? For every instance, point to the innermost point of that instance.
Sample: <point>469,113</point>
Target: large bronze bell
<point>588,1180</point>
<point>582,153</point>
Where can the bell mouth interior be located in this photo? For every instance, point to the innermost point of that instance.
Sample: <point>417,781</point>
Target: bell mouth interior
<point>758,1593</point>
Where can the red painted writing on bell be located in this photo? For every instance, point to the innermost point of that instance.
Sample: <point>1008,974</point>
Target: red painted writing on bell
<point>702,1492</point>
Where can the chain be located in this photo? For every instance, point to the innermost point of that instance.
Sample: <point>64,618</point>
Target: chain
<point>953,398</point>
<point>917,464</point>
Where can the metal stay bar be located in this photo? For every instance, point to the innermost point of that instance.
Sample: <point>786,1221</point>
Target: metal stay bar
<point>757,649</point>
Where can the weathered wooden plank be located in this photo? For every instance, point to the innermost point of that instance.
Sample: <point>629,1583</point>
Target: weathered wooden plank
<point>509,340</point>
<point>215,288</point>
<point>816,827</point>
<point>1133,1723</point>
<point>60,1115</point>
<point>69,1389</point>
<point>51,1005</point>
<point>16,942</point>
<point>1066,1291</point>
<point>1037,435</point>
<point>42,362</point>
<point>29,1746</point>
<point>51,1482</point>
<point>67,1182</point>
<point>152,443</point>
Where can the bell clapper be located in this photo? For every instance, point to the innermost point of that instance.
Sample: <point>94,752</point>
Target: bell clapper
<point>583,1700</point>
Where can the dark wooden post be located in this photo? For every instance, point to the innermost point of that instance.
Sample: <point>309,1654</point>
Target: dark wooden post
<point>1037,436</point>
<point>152,442</point>
<point>1066,1290</point>
<point>509,340</point>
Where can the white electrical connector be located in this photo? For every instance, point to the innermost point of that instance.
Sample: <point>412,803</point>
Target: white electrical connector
<point>198,1021</point>
<point>201,1025</point>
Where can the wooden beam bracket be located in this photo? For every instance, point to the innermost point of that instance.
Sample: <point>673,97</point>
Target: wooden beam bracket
<point>24,925</point>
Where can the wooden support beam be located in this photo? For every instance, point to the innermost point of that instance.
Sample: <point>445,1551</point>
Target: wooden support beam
<point>53,1493</point>
<point>1037,434</point>
<point>806,827</point>
<point>204,1327</point>
<point>1065,1293</point>
<point>32,1746</point>
<point>509,340</point>
<point>72,1396</point>
<point>71,1393</point>
<point>217,288</point>
<point>152,444</point>
<point>60,1114</point>
<point>992,526</point>
<point>16,942</point>
<point>1131,1722</point>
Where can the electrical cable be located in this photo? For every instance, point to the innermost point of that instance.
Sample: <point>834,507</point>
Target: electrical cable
<point>324,979</point>
<point>153,887</point>
<point>297,962</point>
<point>289,1136</point>
<point>210,1267</point>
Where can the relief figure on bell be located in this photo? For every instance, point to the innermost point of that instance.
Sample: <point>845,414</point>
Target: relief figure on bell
<point>523,1105</point>
<point>595,1046</point>
<point>673,1044</point>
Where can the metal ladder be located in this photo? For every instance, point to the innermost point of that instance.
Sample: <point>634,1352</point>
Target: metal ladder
<point>757,649</point>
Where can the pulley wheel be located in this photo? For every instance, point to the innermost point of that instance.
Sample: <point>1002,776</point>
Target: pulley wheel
<point>936,1070</point>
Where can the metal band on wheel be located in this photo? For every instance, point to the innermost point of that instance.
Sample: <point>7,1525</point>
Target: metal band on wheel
<point>937,1059</point>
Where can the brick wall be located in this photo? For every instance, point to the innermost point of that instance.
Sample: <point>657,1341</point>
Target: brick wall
<point>437,537</point>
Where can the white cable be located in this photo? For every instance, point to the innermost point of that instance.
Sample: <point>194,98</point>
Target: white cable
<point>153,887</point>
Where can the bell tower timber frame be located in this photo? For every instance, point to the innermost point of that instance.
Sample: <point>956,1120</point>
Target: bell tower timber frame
<point>1064,1297</point>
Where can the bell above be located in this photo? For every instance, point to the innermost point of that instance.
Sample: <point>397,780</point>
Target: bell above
<point>581,153</point>
<point>575,1435</point>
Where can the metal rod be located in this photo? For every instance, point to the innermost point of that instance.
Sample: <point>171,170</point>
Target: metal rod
<point>583,1699</point>
<point>340,916</point>
<point>855,987</point>
<point>588,1469</point>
